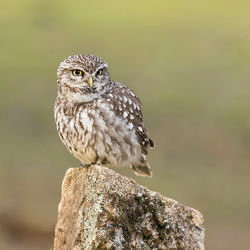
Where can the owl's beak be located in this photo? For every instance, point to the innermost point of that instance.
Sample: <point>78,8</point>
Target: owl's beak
<point>90,82</point>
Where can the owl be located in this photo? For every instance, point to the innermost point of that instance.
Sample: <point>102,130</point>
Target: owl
<point>99,120</point>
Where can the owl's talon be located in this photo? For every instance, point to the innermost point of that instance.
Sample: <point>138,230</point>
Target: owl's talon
<point>87,165</point>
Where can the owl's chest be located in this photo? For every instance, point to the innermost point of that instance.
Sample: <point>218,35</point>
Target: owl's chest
<point>74,124</point>
<point>82,127</point>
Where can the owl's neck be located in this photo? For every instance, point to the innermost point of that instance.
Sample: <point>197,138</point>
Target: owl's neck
<point>77,97</point>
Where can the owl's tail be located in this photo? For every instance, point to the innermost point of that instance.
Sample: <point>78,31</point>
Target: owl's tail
<point>142,170</point>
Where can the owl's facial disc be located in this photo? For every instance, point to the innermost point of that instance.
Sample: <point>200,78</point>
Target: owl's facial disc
<point>84,86</point>
<point>83,78</point>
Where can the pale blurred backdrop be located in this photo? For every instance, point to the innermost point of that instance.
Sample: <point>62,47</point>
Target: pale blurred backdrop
<point>188,61</point>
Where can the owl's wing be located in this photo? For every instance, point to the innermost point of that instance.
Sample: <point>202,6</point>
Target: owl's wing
<point>128,106</point>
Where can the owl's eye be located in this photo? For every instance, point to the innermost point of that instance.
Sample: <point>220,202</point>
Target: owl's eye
<point>77,72</point>
<point>99,72</point>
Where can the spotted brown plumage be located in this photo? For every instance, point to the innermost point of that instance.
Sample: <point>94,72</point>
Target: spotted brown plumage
<point>100,120</point>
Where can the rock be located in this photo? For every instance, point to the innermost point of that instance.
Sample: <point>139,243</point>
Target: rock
<point>101,209</point>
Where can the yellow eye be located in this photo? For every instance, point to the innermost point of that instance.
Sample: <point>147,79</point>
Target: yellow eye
<point>99,72</point>
<point>77,72</point>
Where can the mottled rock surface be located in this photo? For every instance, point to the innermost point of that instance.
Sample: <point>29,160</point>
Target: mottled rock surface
<point>101,209</point>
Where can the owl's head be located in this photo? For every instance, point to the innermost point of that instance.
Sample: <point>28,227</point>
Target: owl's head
<point>83,78</point>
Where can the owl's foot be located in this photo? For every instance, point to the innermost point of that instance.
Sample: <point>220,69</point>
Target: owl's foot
<point>87,165</point>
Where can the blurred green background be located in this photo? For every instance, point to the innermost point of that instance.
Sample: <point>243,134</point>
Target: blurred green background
<point>189,63</point>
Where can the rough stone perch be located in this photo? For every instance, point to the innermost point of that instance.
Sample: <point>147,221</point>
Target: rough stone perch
<point>101,209</point>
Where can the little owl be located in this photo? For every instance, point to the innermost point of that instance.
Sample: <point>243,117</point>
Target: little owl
<point>99,120</point>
